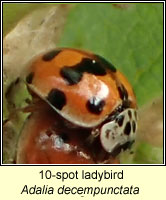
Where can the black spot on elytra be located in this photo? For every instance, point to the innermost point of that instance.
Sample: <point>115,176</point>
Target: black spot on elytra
<point>95,105</point>
<point>127,129</point>
<point>134,126</point>
<point>129,113</point>
<point>50,55</point>
<point>106,63</point>
<point>29,78</point>
<point>73,75</point>
<point>122,92</point>
<point>57,98</point>
<point>120,120</point>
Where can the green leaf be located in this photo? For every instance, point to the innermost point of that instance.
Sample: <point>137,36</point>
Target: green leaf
<point>131,38</point>
<point>147,154</point>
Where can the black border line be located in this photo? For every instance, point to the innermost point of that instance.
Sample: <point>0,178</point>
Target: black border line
<point>83,165</point>
<point>68,2</point>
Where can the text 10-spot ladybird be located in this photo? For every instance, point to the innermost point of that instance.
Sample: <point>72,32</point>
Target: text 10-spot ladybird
<point>87,91</point>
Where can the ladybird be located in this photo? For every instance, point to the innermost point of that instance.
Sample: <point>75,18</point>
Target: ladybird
<point>87,91</point>
<point>47,138</point>
<point>44,140</point>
